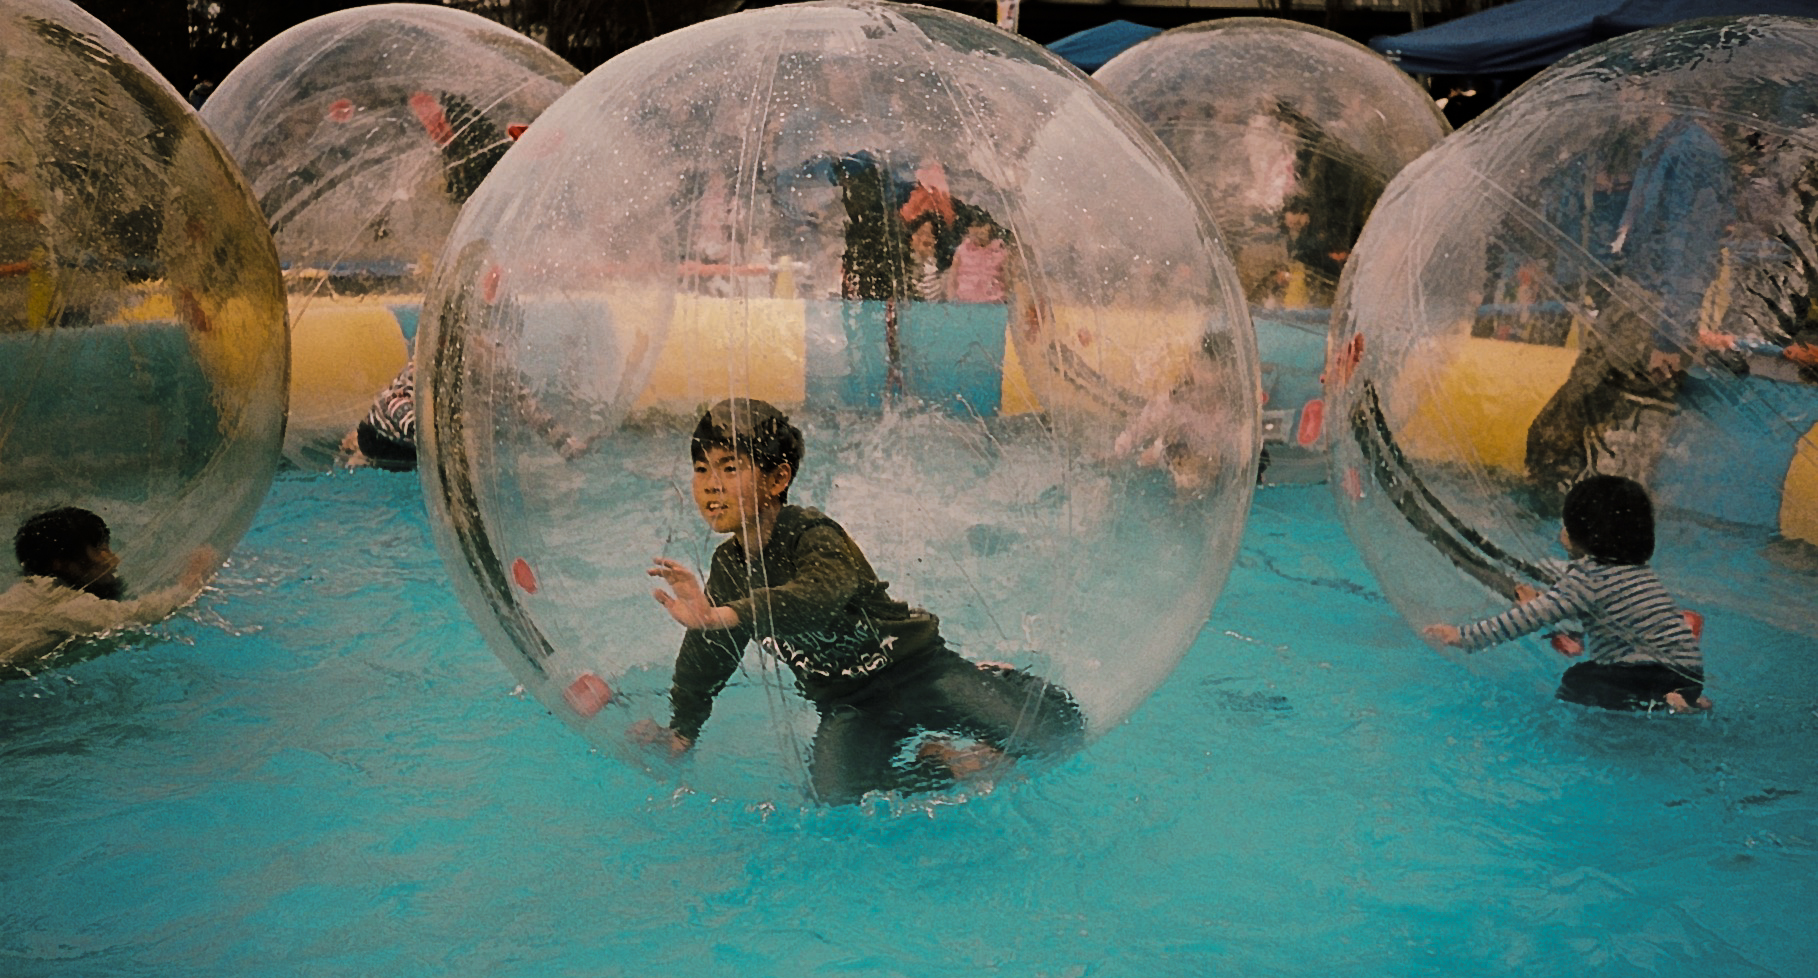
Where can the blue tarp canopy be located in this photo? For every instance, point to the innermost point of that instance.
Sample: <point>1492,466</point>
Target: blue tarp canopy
<point>1090,49</point>
<point>1531,34</point>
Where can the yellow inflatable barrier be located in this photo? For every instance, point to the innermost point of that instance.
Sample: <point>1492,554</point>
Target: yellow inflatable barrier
<point>716,347</point>
<point>719,347</point>
<point>1019,397</point>
<point>1474,400</point>
<point>229,349</point>
<point>1799,495</point>
<point>1099,360</point>
<point>341,355</point>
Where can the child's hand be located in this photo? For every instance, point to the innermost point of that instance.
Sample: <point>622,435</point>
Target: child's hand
<point>649,733</point>
<point>689,605</point>
<point>1713,340</point>
<point>1526,592</point>
<point>202,562</point>
<point>1443,634</point>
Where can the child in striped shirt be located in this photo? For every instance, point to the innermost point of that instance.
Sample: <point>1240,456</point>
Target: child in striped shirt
<point>1642,653</point>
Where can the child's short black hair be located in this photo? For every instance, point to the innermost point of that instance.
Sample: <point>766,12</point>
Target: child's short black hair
<point>57,536</point>
<point>752,428</point>
<point>1611,519</point>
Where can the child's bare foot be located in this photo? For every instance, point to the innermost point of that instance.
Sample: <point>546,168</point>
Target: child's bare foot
<point>964,762</point>
<point>1677,703</point>
<point>351,456</point>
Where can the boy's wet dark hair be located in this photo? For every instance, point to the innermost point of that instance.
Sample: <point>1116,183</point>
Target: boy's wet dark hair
<point>752,428</point>
<point>1611,519</point>
<point>58,536</point>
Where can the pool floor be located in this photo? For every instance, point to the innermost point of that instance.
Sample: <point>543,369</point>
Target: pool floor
<point>321,770</point>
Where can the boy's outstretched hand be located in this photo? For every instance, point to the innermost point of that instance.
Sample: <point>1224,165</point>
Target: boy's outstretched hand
<point>652,734</point>
<point>689,605</point>
<point>1443,634</point>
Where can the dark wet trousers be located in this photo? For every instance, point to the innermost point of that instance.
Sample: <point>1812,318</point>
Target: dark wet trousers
<point>860,736</point>
<point>1628,686</point>
<point>383,452</point>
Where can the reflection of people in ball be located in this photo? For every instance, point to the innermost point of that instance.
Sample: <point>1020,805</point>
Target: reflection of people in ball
<point>1772,268</point>
<point>877,670</point>
<point>1612,412</point>
<point>71,587</point>
<point>876,246</point>
<point>1334,191</point>
<point>1642,651</point>
<point>470,143</point>
<point>1192,430</point>
<point>931,199</point>
<point>980,269</point>
<point>929,277</point>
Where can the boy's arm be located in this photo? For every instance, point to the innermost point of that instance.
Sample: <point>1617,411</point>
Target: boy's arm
<point>709,656</point>
<point>829,570</point>
<point>707,660</point>
<point>82,613</point>
<point>1563,600</point>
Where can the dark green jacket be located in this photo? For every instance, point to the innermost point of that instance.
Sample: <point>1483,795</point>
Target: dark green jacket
<point>814,602</point>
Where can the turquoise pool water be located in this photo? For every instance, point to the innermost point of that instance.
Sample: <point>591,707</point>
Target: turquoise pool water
<point>322,771</point>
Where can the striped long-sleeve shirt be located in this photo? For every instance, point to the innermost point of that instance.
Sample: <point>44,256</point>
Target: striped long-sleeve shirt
<point>1627,615</point>
<point>394,410</point>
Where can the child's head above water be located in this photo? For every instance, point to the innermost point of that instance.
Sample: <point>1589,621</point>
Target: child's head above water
<point>1610,519</point>
<point>752,428</point>
<point>70,544</point>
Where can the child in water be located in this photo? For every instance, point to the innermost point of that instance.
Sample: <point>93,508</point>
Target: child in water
<point>1642,651</point>
<point>876,670</point>
<point>71,588</point>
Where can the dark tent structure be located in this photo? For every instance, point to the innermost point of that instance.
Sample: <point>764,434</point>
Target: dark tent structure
<point>1530,34</point>
<point>1090,49</point>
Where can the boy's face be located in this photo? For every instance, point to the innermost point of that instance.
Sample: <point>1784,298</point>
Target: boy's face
<point>731,491</point>
<point>92,572</point>
<point>1571,546</point>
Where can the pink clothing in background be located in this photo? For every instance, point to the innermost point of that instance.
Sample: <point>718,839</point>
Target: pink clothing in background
<point>978,272</point>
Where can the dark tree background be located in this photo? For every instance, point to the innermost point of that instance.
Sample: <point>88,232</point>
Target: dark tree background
<point>197,42</point>
<point>194,41</point>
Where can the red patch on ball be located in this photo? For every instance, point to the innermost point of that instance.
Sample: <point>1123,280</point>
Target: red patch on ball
<point>526,578</point>
<point>588,694</point>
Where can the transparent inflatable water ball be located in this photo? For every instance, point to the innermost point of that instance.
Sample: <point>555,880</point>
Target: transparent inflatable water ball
<point>1611,273</point>
<point>1289,133</point>
<point>1014,358</point>
<point>142,339</point>
<point>362,132</point>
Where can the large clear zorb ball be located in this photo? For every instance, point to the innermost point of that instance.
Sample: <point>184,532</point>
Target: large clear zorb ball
<point>142,331</point>
<point>1611,273</point>
<point>362,132</point>
<point>1289,133</point>
<point>1010,338</point>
